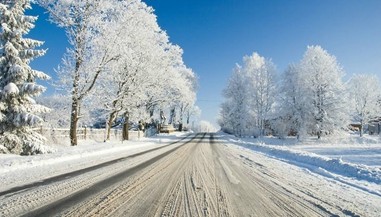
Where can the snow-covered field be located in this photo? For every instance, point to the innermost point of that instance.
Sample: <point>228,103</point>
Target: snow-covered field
<point>350,159</point>
<point>17,170</point>
<point>353,149</point>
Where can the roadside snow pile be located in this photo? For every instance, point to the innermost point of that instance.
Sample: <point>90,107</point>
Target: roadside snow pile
<point>88,152</point>
<point>16,170</point>
<point>338,166</point>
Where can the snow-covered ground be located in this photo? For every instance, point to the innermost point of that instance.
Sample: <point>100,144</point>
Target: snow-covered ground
<point>349,156</point>
<point>353,149</point>
<point>351,160</point>
<point>307,171</point>
<point>18,170</point>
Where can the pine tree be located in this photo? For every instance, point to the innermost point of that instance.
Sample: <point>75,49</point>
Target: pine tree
<point>18,110</point>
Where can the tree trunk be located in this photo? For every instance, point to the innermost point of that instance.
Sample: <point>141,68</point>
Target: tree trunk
<point>361,130</point>
<point>182,113</point>
<point>162,117</point>
<point>262,123</point>
<point>75,97</point>
<point>151,111</point>
<point>73,122</point>
<point>125,128</point>
<point>172,116</point>
<point>111,119</point>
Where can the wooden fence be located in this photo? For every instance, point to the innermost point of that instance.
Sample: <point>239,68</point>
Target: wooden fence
<point>61,136</point>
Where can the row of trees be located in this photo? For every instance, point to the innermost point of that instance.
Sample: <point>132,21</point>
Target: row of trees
<point>119,50</point>
<point>120,64</point>
<point>311,97</point>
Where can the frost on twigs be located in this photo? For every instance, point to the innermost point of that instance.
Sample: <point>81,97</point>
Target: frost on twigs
<point>119,50</point>
<point>18,110</point>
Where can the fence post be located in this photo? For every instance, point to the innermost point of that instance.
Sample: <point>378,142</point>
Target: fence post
<point>85,132</point>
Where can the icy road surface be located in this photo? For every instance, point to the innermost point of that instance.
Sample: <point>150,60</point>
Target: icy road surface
<point>200,175</point>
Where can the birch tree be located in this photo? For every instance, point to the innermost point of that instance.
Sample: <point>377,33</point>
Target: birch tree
<point>250,95</point>
<point>260,73</point>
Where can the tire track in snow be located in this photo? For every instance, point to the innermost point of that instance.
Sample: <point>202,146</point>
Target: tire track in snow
<point>205,177</point>
<point>39,197</point>
<point>69,175</point>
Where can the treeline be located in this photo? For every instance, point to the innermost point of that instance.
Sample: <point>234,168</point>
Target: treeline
<point>120,66</point>
<point>309,98</point>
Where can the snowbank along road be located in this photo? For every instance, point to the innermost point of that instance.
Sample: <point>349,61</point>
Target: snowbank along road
<point>199,175</point>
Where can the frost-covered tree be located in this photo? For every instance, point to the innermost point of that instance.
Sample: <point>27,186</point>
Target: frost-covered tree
<point>250,96</point>
<point>93,47</point>
<point>292,106</point>
<point>187,104</point>
<point>365,95</point>
<point>194,111</point>
<point>313,98</point>
<point>182,86</point>
<point>324,102</point>
<point>18,110</point>
<point>125,82</point>
<point>260,73</point>
<point>117,48</point>
<point>234,114</point>
<point>149,74</point>
<point>285,122</point>
<point>226,119</point>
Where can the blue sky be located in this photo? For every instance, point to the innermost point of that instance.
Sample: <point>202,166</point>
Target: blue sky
<point>216,34</point>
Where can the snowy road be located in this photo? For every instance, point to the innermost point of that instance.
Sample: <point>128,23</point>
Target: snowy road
<point>201,175</point>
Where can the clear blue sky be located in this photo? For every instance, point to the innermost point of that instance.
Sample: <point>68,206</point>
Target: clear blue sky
<point>216,34</point>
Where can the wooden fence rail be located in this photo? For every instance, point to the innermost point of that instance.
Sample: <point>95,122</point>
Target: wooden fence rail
<point>59,135</point>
